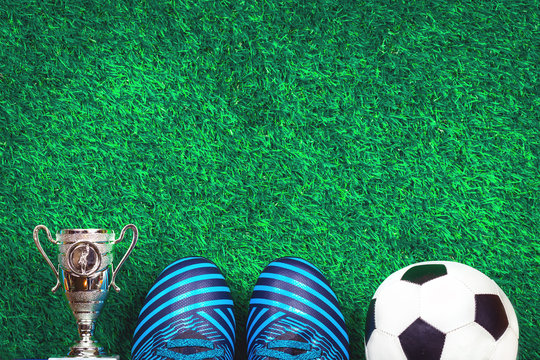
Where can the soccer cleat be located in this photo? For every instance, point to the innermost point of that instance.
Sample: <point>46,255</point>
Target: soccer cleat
<point>294,314</point>
<point>187,315</point>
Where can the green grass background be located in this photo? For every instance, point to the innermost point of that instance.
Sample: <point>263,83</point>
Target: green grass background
<point>361,135</point>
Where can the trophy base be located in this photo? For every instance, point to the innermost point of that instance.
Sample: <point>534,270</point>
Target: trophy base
<point>87,358</point>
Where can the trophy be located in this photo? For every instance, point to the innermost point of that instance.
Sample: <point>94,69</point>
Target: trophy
<point>85,267</point>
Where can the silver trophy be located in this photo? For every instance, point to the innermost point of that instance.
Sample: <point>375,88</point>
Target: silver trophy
<point>85,267</point>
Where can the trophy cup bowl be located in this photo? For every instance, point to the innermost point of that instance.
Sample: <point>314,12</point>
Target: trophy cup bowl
<point>85,268</point>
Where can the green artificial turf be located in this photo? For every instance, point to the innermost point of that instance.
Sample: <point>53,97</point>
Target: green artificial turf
<point>362,136</point>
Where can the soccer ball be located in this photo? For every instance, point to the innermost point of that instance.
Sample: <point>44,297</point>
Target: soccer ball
<point>440,310</point>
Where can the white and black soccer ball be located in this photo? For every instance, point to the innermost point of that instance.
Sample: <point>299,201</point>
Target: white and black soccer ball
<point>440,310</point>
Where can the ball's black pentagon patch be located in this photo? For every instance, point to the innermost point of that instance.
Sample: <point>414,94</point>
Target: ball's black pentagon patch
<point>421,341</point>
<point>421,274</point>
<point>490,314</point>
<point>370,320</point>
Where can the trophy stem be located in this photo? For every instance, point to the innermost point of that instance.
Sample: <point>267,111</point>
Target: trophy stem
<point>87,346</point>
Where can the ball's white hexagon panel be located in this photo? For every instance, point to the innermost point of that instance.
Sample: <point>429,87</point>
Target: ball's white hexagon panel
<point>385,284</point>
<point>507,346</point>
<point>471,342</point>
<point>383,346</point>
<point>475,280</point>
<point>397,307</point>
<point>446,304</point>
<point>394,277</point>
<point>510,312</point>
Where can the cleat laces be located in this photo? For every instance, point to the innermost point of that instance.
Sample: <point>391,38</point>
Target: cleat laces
<point>180,343</point>
<point>289,344</point>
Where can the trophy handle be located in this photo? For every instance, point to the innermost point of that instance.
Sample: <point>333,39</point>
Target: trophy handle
<point>36,240</point>
<point>133,242</point>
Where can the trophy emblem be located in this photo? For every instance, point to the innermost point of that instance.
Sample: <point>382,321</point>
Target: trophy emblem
<point>86,270</point>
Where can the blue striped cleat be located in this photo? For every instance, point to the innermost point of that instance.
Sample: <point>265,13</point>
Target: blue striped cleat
<point>187,315</point>
<point>294,315</point>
